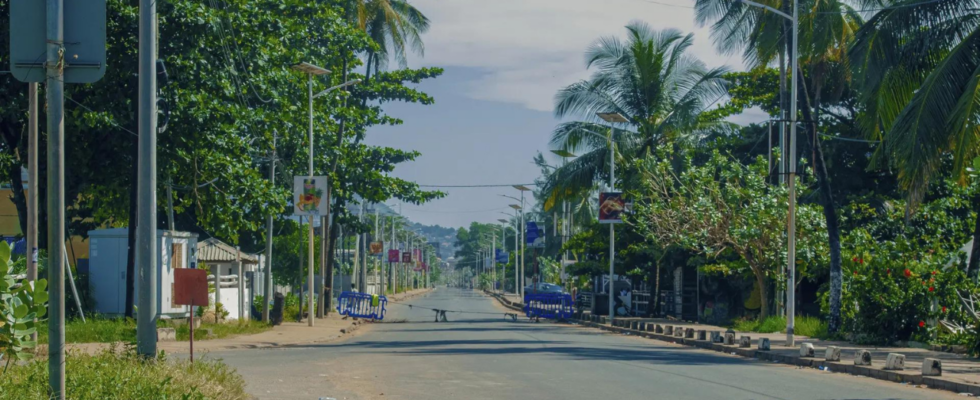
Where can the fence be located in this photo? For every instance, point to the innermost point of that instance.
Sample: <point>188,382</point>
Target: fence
<point>362,305</point>
<point>641,302</point>
<point>548,305</point>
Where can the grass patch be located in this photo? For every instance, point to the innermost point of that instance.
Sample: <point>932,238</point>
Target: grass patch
<point>219,331</point>
<point>115,374</point>
<point>110,330</point>
<point>805,326</point>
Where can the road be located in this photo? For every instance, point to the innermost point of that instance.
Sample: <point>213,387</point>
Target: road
<point>485,356</point>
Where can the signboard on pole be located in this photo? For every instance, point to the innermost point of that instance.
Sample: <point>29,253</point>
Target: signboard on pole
<point>417,254</point>
<point>308,196</point>
<point>503,257</point>
<point>377,247</point>
<point>393,255</point>
<point>84,40</point>
<point>534,234</point>
<point>406,257</point>
<point>611,207</point>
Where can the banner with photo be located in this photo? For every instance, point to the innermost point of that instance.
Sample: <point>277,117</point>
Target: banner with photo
<point>308,196</point>
<point>377,247</point>
<point>406,257</point>
<point>393,255</point>
<point>611,207</point>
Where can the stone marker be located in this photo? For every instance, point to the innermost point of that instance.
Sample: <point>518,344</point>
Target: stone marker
<point>832,353</point>
<point>669,330</point>
<point>745,342</point>
<point>678,331</point>
<point>166,334</point>
<point>659,328</point>
<point>764,344</point>
<point>716,337</point>
<point>689,333</point>
<point>635,325</point>
<point>641,326</point>
<point>806,350</point>
<point>932,367</point>
<point>702,335</point>
<point>729,338</point>
<point>862,357</point>
<point>895,362</point>
<point>651,327</point>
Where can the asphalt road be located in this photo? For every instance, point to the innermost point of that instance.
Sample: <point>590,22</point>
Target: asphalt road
<point>485,356</point>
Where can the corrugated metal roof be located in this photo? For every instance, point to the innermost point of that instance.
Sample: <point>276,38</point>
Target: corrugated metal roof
<point>212,249</point>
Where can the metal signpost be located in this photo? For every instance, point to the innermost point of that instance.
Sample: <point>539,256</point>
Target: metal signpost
<point>47,47</point>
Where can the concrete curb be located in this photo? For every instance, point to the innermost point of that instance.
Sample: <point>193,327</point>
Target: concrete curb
<point>915,378</point>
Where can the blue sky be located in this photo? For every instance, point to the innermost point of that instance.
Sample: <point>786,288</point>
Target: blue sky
<point>504,61</point>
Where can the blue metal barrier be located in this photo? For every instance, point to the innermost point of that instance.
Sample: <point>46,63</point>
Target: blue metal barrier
<point>548,305</point>
<point>362,305</point>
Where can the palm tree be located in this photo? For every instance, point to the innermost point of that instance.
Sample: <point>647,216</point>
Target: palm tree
<point>919,66</point>
<point>395,26</point>
<point>652,81</point>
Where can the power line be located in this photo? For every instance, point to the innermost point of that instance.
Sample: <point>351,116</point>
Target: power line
<point>848,139</point>
<point>479,186</point>
<point>457,212</point>
<point>111,121</point>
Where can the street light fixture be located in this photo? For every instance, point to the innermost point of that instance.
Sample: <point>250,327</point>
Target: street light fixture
<point>790,169</point>
<point>340,86</point>
<point>515,206</point>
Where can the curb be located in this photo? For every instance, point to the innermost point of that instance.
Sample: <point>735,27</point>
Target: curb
<point>835,366</point>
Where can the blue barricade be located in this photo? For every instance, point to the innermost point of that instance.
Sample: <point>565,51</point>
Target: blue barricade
<point>548,305</point>
<point>362,305</point>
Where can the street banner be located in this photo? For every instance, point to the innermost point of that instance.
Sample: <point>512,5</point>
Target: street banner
<point>377,247</point>
<point>393,255</point>
<point>417,255</point>
<point>406,257</point>
<point>534,234</point>
<point>503,257</point>
<point>611,207</point>
<point>308,196</point>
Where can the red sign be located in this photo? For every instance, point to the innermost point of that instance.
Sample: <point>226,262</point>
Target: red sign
<point>191,287</point>
<point>393,255</point>
<point>418,254</point>
<point>406,257</point>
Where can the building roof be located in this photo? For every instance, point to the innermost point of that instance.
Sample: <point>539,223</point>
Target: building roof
<point>213,250</point>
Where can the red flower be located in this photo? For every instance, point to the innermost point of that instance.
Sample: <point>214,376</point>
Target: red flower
<point>855,273</point>
<point>908,274</point>
<point>922,324</point>
<point>860,261</point>
<point>944,308</point>
<point>935,272</point>
<point>855,259</point>
<point>932,289</point>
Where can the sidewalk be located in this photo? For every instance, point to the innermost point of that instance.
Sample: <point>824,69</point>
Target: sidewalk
<point>291,333</point>
<point>960,373</point>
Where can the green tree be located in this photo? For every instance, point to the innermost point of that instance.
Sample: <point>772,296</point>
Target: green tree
<point>918,65</point>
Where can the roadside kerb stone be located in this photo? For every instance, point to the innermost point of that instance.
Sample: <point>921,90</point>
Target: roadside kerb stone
<point>659,328</point>
<point>716,337</point>
<point>729,338</point>
<point>862,357</point>
<point>745,342</point>
<point>832,353</point>
<point>702,334</point>
<point>669,330</point>
<point>895,362</point>
<point>932,367</point>
<point>806,350</point>
<point>764,344</point>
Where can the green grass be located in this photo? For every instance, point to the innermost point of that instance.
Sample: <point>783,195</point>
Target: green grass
<point>115,374</point>
<point>805,326</point>
<point>109,330</point>
<point>219,331</point>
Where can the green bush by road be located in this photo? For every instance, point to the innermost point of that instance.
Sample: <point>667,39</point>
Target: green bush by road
<point>109,330</point>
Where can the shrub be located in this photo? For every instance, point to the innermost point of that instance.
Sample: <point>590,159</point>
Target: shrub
<point>20,305</point>
<point>115,374</point>
<point>806,326</point>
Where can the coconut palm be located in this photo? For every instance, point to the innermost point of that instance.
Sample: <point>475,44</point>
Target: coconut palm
<point>919,66</point>
<point>395,25</point>
<point>652,81</point>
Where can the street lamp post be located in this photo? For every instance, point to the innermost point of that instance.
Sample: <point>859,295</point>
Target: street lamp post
<point>310,70</point>
<point>612,118</point>
<point>791,172</point>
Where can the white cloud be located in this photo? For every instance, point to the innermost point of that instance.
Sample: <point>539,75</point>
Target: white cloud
<point>531,48</point>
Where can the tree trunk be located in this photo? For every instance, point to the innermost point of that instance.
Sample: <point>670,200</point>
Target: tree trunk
<point>331,256</point>
<point>131,239</point>
<point>17,195</point>
<point>829,213</point>
<point>975,251</point>
<point>760,280</point>
<point>656,290</point>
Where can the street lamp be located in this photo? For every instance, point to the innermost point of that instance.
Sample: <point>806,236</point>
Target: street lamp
<point>518,289</point>
<point>522,232</point>
<point>310,70</point>
<point>565,214</point>
<point>612,118</point>
<point>791,172</point>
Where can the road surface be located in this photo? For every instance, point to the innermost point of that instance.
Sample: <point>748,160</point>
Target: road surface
<point>485,356</point>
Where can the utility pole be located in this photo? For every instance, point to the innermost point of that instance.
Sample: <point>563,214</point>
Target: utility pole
<point>146,231</point>
<point>377,283</point>
<point>32,187</point>
<point>55,93</point>
<point>268,237</point>
<point>493,262</point>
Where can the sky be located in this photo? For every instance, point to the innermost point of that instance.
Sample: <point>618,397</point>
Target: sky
<point>504,61</point>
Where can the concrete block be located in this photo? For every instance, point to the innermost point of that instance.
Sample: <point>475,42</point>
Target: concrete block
<point>862,357</point>
<point>806,350</point>
<point>702,334</point>
<point>729,338</point>
<point>635,325</point>
<point>651,327</point>
<point>641,326</point>
<point>678,331</point>
<point>166,334</point>
<point>659,328</point>
<point>602,320</point>
<point>895,362</point>
<point>832,353</point>
<point>932,367</point>
<point>716,337</point>
<point>689,333</point>
<point>669,330</point>
<point>764,344</point>
<point>745,342</point>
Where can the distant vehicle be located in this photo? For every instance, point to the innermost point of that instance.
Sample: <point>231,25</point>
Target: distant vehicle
<point>543,287</point>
